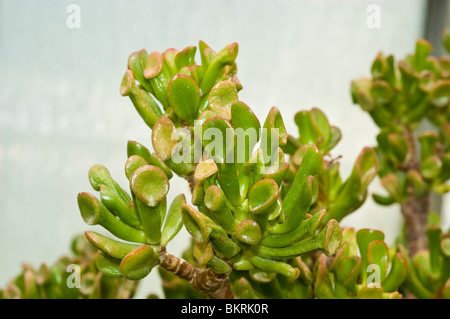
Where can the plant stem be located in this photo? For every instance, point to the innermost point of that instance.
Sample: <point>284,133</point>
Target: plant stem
<point>206,281</point>
<point>415,213</point>
<point>416,207</point>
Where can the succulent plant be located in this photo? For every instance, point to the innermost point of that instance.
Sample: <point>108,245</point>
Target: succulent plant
<point>243,218</point>
<point>364,268</point>
<point>339,197</point>
<point>50,282</point>
<point>429,269</point>
<point>402,98</point>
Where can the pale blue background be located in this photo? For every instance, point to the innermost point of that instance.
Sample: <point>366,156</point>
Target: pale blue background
<point>61,111</point>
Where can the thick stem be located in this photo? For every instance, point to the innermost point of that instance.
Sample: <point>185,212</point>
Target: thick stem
<point>415,214</point>
<point>214,286</point>
<point>416,207</point>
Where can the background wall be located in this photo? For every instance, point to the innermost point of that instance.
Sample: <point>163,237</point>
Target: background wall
<point>61,111</point>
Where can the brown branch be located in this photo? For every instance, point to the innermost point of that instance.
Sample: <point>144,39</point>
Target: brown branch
<point>416,207</point>
<point>214,286</point>
<point>415,212</point>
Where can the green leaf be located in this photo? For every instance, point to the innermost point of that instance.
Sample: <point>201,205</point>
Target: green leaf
<point>415,179</point>
<point>108,265</point>
<point>151,220</point>
<point>275,266</point>
<point>445,250</point>
<point>421,263</point>
<point>427,140</point>
<point>278,176</point>
<point>223,58</point>
<point>196,223</point>
<point>372,291</point>
<point>308,130</point>
<point>395,184</point>
<point>353,191</point>
<point>242,289</point>
<point>348,271</point>
<point>434,241</point>
<point>379,66</point>
<point>94,212</point>
<point>446,287</point>
<point>306,197</point>
<point>307,228</point>
<point>274,134</point>
<point>154,65</point>
<point>169,60</point>
<point>113,248</point>
<point>117,206</point>
<point>431,167</point>
<point>143,102</point>
<point>221,98</point>
<point>383,200</point>
<point>205,169</point>
<point>378,254</point>
<point>397,273</point>
<point>247,129</point>
<point>223,244</point>
<point>219,266</point>
<point>360,91</point>
<point>323,288</point>
<point>440,93</point>
<point>218,140</point>
<point>423,49</point>
<point>328,240</point>
<point>398,147</point>
<point>99,175</point>
<point>132,164</point>
<point>139,263</point>
<point>446,39</point>
<point>335,137</point>
<point>135,148</point>
<point>184,97</point>
<point>185,57</point>
<point>216,202</point>
<point>157,161</point>
<point>207,55</point>
<point>150,184</point>
<point>174,221</point>
<point>366,166</point>
<point>203,252</point>
<point>262,195</point>
<point>164,138</point>
<point>249,232</point>
<point>136,62</point>
<point>311,164</point>
<point>363,238</point>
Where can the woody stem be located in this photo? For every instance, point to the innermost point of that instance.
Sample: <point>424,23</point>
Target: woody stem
<point>214,286</point>
<point>415,208</point>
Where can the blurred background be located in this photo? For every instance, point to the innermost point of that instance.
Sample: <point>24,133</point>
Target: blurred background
<point>61,111</point>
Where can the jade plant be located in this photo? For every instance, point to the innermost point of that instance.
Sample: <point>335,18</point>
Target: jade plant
<point>51,282</point>
<point>265,205</point>
<point>409,101</point>
<point>364,267</point>
<point>429,269</point>
<point>339,197</point>
<point>252,214</point>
